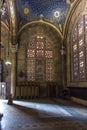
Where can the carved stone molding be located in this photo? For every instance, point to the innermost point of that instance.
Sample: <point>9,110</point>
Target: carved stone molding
<point>14,48</point>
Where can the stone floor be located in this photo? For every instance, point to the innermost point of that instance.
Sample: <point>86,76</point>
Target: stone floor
<point>43,114</point>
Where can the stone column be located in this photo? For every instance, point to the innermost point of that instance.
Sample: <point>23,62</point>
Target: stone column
<point>63,63</point>
<point>63,71</point>
<point>13,74</point>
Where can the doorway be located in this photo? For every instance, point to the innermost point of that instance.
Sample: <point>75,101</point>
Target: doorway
<point>2,90</point>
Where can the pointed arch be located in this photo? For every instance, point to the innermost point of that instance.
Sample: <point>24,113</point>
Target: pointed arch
<point>42,22</point>
<point>77,11</point>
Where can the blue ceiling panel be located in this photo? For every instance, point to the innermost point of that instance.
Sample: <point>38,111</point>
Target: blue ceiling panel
<point>54,11</point>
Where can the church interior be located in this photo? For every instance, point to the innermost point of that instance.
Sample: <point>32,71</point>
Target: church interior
<point>43,64</point>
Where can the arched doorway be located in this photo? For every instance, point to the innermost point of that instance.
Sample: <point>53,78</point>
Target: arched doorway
<point>2,90</point>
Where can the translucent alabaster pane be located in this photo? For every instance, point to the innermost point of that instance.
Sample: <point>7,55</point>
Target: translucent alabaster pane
<point>80,30</point>
<point>39,67</point>
<point>31,44</point>
<point>81,54</point>
<point>81,42</point>
<point>81,64</point>
<point>31,70</point>
<point>82,74</point>
<point>30,53</point>
<point>85,22</point>
<point>80,22</point>
<point>39,53</point>
<point>49,69</point>
<point>48,54</point>
<point>40,45</point>
<point>40,70</point>
<point>75,47</point>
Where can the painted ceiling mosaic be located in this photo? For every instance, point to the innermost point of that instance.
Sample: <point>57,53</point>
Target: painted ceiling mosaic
<point>53,11</point>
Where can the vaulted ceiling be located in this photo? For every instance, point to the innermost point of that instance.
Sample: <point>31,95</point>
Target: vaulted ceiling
<point>53,11</point>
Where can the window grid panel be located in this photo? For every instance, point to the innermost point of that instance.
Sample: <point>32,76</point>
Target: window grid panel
<point>30,53</point>
<point>85,22</point>
<point>0,71</point>
<point>48,54</point>
<point>86,44</point>
<point>40,51</point>
<point>40,70</point>
<point>75,66</point>
<point>81,43</point>
<point>40,45</point>
<point>82,74</point>
<point>49,69</point>
<point>80,27</point>
<point>31,44</point>
<point>75,35</point>
<point>75,54</point>
<point>86,59</point>
<point>30,70</point>
<point>79,50</point>
<point>82,53</point>
<point>75,47</point>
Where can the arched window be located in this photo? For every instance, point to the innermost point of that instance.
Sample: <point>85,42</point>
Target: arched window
<point>39,59</point>
<point>79,50</point>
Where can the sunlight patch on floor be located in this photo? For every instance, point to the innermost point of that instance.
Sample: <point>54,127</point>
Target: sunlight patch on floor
<point>45,109</point>
<point>1,106</point>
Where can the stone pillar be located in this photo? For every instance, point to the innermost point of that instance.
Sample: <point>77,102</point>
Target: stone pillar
<point>13,74</point>
<point>63,63</point>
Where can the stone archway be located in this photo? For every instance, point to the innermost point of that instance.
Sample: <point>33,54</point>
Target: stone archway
<point>52,36</point>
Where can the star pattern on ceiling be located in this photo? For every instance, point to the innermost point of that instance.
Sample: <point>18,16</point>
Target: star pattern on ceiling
<point>53,11</point>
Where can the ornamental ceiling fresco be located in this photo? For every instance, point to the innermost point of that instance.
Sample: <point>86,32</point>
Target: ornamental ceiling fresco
<point>53,11</point>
